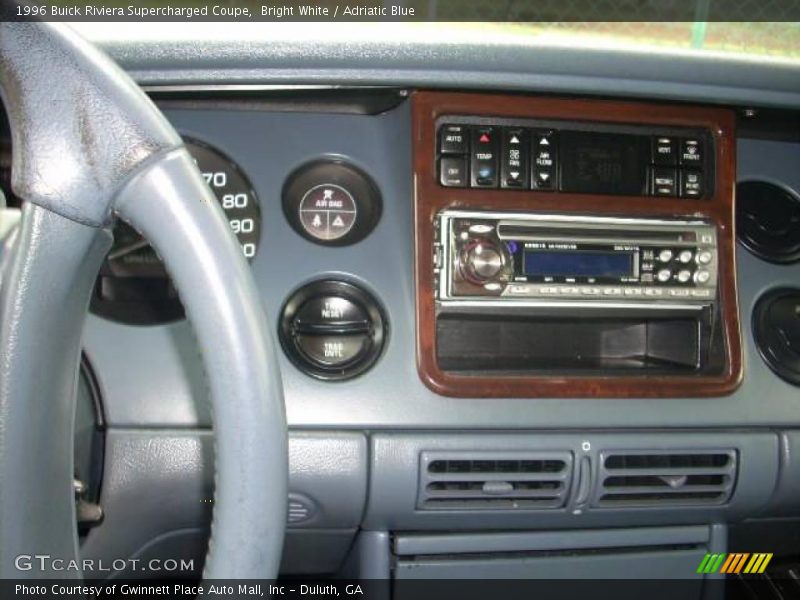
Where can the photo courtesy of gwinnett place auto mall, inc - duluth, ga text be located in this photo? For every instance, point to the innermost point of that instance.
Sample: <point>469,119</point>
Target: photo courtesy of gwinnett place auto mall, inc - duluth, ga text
<point>400,299</point>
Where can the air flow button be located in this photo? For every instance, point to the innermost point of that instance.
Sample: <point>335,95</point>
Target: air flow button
<point>545,160</point>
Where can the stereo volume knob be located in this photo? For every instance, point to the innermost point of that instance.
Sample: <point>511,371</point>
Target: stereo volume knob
<point>482,262</point>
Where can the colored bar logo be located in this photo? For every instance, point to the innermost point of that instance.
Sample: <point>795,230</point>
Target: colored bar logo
<point>737,562</point>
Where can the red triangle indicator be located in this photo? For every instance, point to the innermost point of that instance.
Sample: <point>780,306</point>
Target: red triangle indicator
<point>484,139</point>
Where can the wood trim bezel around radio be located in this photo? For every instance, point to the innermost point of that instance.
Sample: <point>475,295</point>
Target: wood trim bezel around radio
<point>430,198</point>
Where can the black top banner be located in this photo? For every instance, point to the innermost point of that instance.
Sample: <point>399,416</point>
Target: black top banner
<point>520,11</point>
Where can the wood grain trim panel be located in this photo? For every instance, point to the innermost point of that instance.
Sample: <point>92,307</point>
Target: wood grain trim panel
<point>430,198</point>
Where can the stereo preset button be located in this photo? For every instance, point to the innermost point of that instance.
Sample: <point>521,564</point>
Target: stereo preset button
<point>701,293</point>
<point>654,292</point>
<point>453,139</point>
<point>453,172</point>
<point>691,153</point>
<point>702,277</point>
<point>612,291</point>
<point>515,159</point>
<point>633,291</point>
<point>664,151</point>
<point>691,184</point>
<point>665,255</point>
<point>684,275</point>
<point>704,257</point>
<point>484,157</point>
<point>664,275</point>
<point>685,256</point>
<point>663,182</point>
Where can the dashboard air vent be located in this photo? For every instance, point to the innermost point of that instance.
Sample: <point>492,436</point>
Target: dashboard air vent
<point>666,478</point>
<point>494,481</point>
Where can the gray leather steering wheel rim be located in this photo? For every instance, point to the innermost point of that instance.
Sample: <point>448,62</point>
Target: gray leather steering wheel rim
<point>88,145</point>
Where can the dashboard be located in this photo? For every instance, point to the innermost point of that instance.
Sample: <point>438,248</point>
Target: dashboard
<point>161,385</point>
<point>620,297</point>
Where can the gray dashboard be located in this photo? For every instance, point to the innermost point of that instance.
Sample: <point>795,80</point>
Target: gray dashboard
<point>151,376</point>
<point>355,445</point>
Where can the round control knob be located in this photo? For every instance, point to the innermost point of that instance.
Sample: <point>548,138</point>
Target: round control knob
<point>702,277</point>
<point>664,275</point>
<point>685,256</point>
<point>684,276</point>
<point>665,255</point>
<point>482,262</point>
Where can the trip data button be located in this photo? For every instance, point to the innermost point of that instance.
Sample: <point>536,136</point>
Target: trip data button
<point>332,350</point>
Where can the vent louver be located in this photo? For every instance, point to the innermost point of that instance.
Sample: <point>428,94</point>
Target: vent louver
<point>666,478</point>
<point>494,481</point>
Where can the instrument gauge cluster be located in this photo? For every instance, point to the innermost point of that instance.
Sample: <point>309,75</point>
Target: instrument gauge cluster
<point>133,285</point>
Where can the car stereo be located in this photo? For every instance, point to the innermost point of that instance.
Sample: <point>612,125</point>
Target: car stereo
<point>519,257</point>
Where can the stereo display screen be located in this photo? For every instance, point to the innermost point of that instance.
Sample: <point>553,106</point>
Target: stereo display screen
<point>559,264</point>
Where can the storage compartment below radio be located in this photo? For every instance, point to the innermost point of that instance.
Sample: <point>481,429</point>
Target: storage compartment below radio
<point>657,342</point>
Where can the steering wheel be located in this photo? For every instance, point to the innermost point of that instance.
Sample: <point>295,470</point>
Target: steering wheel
<point>89,146</point>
